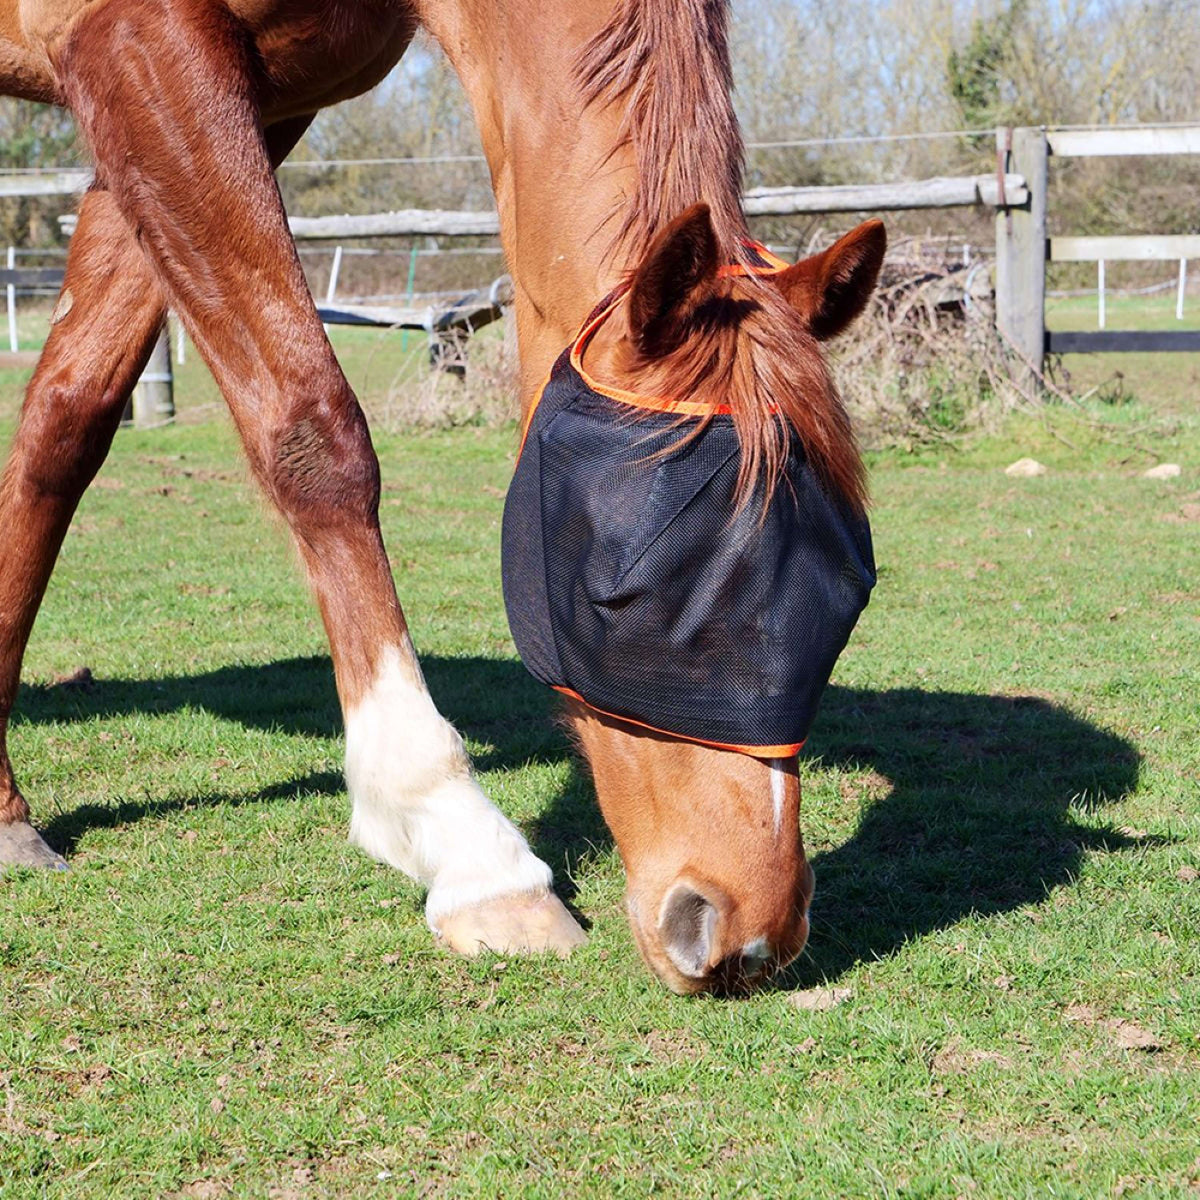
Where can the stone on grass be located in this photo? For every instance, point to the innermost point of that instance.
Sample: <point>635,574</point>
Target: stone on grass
<point>1163,471</point>
<point>1024,468</point>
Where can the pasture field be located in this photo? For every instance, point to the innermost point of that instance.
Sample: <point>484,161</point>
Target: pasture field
<point>385,367</point>
<point>1001,997</point>
<point>1168,384</point>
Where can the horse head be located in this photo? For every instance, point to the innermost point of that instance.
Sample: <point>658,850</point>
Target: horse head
<point>700,524</point>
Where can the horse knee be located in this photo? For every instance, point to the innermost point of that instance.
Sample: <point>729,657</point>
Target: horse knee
<point>66,429</point>
<point>320,464</point>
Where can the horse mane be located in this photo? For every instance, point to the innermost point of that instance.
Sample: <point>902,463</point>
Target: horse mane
<point>669,65</point>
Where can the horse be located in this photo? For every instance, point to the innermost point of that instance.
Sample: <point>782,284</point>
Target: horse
<point>616,162</point>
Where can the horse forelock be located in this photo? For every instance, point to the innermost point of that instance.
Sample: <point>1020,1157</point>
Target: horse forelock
<point>747,352</point>
<point>786,390</point>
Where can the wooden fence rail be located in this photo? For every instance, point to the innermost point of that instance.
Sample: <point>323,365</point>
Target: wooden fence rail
<point>1018,192</point>
<point>938,192</point>
<point>1023,248</point>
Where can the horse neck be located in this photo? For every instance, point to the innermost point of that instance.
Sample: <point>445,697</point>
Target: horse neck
<point>564,170</point>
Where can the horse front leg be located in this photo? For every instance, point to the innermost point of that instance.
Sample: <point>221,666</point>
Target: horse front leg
<point>167,95</point>
<point>103,327</point>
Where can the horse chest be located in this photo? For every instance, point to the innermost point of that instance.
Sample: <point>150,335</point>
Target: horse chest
<point>318,52</point>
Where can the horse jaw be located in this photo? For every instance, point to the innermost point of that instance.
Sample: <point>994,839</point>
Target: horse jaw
<point>718,886</point>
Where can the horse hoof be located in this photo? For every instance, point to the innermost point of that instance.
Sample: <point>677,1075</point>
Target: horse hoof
<point>524,923</point>
<point>21,846</point>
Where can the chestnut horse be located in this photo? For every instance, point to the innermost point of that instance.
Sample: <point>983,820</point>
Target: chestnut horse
<point>602,123</point>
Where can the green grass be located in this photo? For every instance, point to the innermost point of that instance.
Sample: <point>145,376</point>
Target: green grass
<point>1168,383</point>
<point>1155,311</point>
<point>221,997</point>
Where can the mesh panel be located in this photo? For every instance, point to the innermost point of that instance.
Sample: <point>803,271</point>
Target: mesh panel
<point>631,579</point>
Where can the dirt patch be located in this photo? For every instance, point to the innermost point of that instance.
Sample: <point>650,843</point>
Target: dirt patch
<point>956,1059</point>
<point>301,1179</point>
<point>673,1045</point>
<point>79,680</point>
<point>205,1189</point>
<point>870,786</point>
<point>91,1076</point>
<point>1185,514</point>
<point>1121,1033</point>
<point>820,999</point>
<point>202,589</point>
<point>1129,1036</point>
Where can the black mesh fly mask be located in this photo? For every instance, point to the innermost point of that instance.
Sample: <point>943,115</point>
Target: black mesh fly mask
<point>635,582</point>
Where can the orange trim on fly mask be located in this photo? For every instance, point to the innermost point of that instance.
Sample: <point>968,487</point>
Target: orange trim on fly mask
<point>790,750</point>
<point>772,264</point>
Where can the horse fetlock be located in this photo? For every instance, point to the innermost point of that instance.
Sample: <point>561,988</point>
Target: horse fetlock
<point>12,804</point>
<point>452,839</point>
<point>481,854</point>
<point>416,804</point>
<point>487,889</point>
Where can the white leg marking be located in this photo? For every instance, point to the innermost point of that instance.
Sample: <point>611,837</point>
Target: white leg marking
<point>416,804</point>
<point>778,789</point>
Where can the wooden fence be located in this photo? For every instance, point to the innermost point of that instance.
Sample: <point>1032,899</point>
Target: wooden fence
<point>1023,247</point>
<point>1017,191</point>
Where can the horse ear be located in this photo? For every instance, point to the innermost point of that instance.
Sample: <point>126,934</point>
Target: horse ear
<point>676,275</point>
<point>830,289</point>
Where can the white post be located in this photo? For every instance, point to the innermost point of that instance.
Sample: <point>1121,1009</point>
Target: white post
<point>13,344</point>
<point>1100,291</point>
<point>180,342</point>
<point>334,271</point>
<point>1182,289</point>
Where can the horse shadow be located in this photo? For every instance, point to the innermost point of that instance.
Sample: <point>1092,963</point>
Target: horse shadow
<point>966,807</point>
<point>965,802</point>
<point>507,716</point>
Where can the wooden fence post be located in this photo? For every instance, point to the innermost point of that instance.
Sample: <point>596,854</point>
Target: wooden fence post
<point>154,395</point>
<point>1021,252</point>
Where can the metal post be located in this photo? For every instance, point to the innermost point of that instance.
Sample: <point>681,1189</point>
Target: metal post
<point>412,281</point>
<point>1100,293</point>
<point>154,395</point>
<point>13,344</point>
<point>1021,252</point>
<point>1182,289</point>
